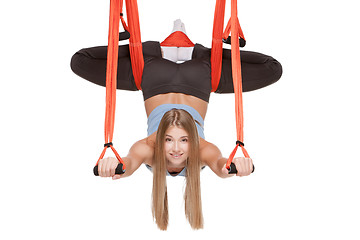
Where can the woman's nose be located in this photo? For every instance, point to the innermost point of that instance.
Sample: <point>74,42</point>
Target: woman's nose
<point>176,146</point>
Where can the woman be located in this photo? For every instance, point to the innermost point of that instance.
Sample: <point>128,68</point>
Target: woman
<point>176,98</point>
<point>177,148</point>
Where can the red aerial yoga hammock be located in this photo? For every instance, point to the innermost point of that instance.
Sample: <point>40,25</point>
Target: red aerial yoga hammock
<point>137,62</point>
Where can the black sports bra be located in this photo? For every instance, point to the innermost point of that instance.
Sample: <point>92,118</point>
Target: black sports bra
<point>192,77</point>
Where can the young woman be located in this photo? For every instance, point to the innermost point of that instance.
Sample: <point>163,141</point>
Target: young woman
<point>176,98</point>
<point>175,146</point>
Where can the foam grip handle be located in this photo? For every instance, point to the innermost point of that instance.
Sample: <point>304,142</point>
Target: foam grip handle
<point>118,170</point>
<point>124,35</point>
<point>242,41</point>
<point>233,169</point>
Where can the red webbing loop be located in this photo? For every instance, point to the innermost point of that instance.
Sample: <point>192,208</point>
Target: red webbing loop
<point>227,30</point>
<point>237,80</point>
<point>116,154</point>
<point>111,75</point>
<point>122,17</point>
<point>217,44</point>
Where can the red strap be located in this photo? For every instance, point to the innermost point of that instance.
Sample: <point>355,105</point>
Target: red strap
<point>233,26</point>
<point>111,75</point>
<point>227,30</point>
<point>122,16</point>
<point>236,74</point>
<point>116,154</point>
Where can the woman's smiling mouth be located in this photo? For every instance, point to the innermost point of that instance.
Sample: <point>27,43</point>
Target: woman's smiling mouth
<point>176,155</point>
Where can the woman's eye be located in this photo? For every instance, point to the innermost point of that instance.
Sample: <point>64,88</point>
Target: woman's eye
<point>184,140</point>
<point>167,139</point>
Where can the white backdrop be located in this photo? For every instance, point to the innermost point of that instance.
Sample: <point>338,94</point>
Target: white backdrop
<point>301,132</point>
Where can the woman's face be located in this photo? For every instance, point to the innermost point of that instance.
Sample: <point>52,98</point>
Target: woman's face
<point>176,146</point>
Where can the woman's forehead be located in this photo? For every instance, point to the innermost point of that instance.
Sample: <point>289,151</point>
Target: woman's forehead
<point>175,131</point>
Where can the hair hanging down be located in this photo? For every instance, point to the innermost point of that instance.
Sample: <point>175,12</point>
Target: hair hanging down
<point>192,196</point>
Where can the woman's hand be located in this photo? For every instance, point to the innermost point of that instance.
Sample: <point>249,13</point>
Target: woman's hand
<point>244,166</point>
<point>107,166</point>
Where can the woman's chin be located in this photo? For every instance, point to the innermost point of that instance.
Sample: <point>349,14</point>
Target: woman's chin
<point>176,162</point>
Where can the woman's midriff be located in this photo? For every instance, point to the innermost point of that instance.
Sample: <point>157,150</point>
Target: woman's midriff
<point>176,98</point>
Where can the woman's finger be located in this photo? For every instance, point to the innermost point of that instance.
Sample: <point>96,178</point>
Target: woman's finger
<point>239,168</point>
<point>246,166</point>
<point>100,167</point>
<point>113,168</point>
<point>103,167</point>
<point>115,177</point>
<point>108,167</point>
<point>243,166</point>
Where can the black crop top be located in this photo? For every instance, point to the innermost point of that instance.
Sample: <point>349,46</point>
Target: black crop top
<point>191,77</point>
<point>163,76</point>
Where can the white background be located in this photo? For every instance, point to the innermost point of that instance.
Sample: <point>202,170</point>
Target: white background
<point>301,132</point>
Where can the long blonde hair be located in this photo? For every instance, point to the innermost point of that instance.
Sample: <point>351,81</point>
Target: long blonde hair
<point>192,195</point>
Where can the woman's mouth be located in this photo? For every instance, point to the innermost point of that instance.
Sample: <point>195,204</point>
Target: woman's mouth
<point>176,155</point>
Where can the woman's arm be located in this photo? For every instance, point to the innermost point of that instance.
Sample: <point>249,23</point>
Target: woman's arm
<point>212,157</point>
<point>139,153</point>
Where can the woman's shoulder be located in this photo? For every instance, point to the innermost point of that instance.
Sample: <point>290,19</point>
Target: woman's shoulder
<point>208,152</point>
<point>144,148</point>
<point>205,145</point>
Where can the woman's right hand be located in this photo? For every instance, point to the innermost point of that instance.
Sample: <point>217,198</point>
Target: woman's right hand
<point>107,166</point>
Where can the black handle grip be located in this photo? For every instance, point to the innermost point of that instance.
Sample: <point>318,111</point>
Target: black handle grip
<point>124,35</point>
<point>118,170</point>
<point>242,41</point>
<point>234,170</point>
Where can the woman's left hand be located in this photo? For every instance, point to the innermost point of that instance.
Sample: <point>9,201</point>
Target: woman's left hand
<point>244,166</point>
